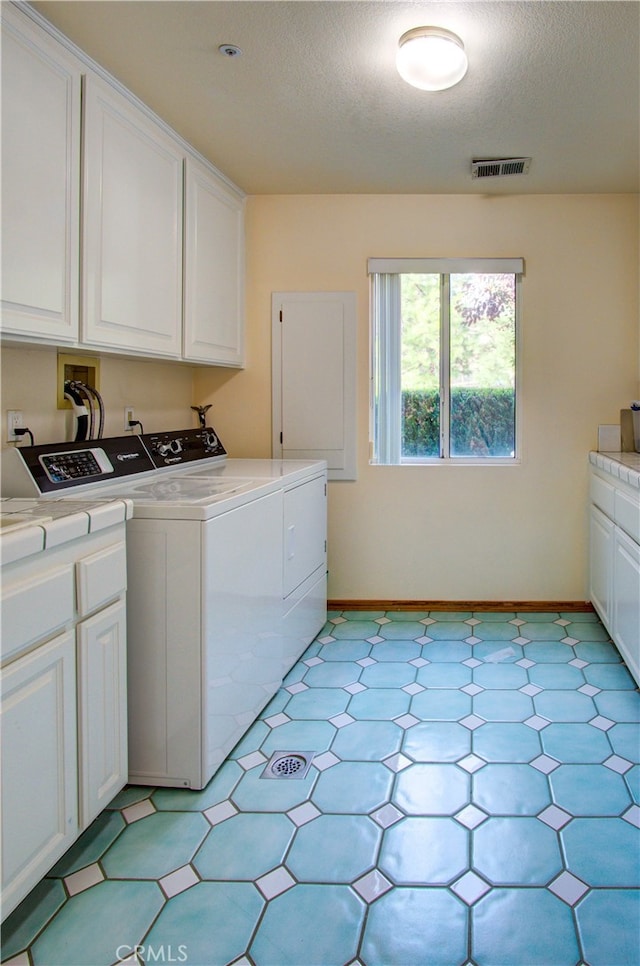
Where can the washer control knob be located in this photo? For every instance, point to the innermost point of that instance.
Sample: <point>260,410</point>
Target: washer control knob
<point>163,449</point>
<point>210,439</point>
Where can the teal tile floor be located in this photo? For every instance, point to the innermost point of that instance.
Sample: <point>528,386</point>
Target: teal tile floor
<point>474,800</point>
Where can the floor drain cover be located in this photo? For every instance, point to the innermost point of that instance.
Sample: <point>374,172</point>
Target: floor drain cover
<point>288,764</point>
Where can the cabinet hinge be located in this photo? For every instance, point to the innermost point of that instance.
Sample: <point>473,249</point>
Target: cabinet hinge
<point>325,546</point>
<point>325,489</point>
<point>281,439</point>
<point>281,315</point>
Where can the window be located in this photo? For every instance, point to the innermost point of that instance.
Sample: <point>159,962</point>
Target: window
<point>444,359</point>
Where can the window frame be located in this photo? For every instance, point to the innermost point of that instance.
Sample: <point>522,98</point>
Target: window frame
<point>385,364</point>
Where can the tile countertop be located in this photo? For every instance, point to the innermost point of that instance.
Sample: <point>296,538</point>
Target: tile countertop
<point>29,526</point>
<point>626,466</point>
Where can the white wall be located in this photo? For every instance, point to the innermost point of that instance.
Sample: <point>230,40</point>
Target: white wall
<point>453,532</point>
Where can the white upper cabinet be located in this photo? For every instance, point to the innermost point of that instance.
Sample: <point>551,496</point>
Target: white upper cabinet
<point>40,184</point>
<point>132,221</point>
<point>214,269</point>
<point>117,279</point>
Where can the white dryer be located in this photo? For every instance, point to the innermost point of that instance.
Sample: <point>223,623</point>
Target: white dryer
<point>226,568</point>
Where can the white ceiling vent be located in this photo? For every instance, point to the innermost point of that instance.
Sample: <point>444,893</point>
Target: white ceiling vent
<point>499,167</point>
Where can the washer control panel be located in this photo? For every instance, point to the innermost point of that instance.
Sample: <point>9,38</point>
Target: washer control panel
<point>183,446</point>
<point>81,465</point>
<point>54,467</point>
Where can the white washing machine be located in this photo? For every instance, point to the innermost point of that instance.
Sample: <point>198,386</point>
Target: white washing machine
<point>226,568</point>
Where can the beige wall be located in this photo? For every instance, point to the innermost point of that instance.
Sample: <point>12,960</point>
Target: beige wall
<point>447,532</point>
<point>430,532</point>
<point>160,392</point>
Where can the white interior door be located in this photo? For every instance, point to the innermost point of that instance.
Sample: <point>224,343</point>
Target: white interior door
<point>314,373</point>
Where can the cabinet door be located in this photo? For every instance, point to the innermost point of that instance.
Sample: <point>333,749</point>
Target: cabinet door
<point>626,600</point>
<point>305,532</point>
<point>132,223</point>
<point>39,765</point>
<point>214,269</point>
<point>40,183</point>
<point>601,564</point>
<point>102,709</point>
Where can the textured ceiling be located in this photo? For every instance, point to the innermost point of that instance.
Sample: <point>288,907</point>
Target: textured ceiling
<point>315,105</point>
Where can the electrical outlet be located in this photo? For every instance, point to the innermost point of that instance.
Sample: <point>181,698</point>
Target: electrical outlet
<point>129,416</point>
<point>15,420</point>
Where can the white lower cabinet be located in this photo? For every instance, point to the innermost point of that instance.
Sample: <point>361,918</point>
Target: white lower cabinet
<point>601,573</point>
<point>63,705</point>
<point>102,691</point>
<point>39,774</point>
<point>614,585</point>
<point>626,599</point>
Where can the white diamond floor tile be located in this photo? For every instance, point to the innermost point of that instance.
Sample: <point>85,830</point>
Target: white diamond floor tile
<point>472,763</point>
<point>178,881</point>
<point>568,888</point>
<point>372,885</point>
<point>413,688</point>
<point>589,690</point>
<point>276,882</point>
<point>472,689</point>
<point>471,816</point>
<point>133,813</point>
<point>252,760</point>
<point>554,817</point>
<point>355,688</point>
<point>470,888</point>
<point>545,764</point>
<point>342,720</point>
<point>297,688</point>
<point>618,764</point>
<point>387,815</point>
<point>275,720</point>
<point>220,813</point>
<point>326,759</point>
<point>304,813</point>
<point>83,879</point>
<point>530,689</point>
<point>632,815</point>
<point>397,763</point>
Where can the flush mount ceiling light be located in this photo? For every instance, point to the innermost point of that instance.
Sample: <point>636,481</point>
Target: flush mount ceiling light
<point>431,58</point>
